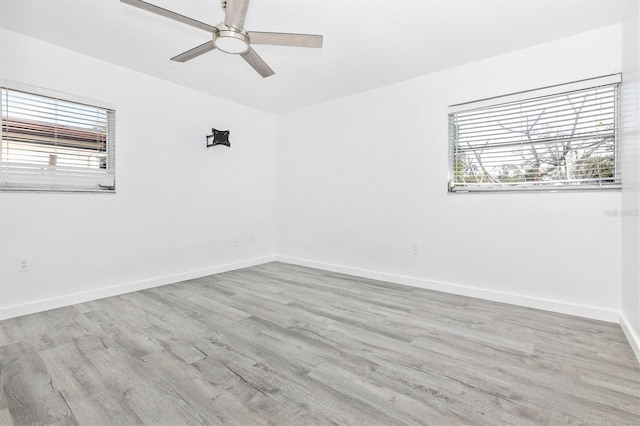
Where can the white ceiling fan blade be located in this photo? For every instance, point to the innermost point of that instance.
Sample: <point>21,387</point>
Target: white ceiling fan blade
<point>195,52</point>
<point>169,14</point>
<point>285,39</point>
<point>235,13</point>
<point>257,63</point>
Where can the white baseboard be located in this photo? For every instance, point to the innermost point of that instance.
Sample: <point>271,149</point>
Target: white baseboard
<point>632,337</point>
<point>496,296</point>
<point>86,296</point>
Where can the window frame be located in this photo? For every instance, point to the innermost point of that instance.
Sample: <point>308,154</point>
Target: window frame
<point>51,183</point>
<point>487,104</point>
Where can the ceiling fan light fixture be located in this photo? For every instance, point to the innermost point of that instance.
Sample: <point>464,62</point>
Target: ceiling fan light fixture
<point>229,41</point>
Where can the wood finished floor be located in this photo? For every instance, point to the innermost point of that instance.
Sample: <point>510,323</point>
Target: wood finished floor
<point>281,344</point>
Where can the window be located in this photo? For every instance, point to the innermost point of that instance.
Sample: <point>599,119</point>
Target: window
<point>54,144</point>
<point>558,138</point>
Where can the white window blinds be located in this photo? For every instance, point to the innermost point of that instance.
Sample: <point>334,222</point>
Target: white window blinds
<point>566,139</point>
<point>51,144</point>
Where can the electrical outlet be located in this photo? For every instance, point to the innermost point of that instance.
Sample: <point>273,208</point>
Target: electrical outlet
<point>414,248</point>
<point>23,264</point>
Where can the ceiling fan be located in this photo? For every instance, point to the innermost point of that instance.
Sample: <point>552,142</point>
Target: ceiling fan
<point>230,36</point>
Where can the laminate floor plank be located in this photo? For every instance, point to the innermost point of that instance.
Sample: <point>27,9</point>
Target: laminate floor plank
<point>28,389</point>
<point>49,328</point>
<point>280,344</point>
<point>124,332</point>
<point>152,398</point>
<point>224,375</point>
<point>5,418</point>
<point>321,399</point>
<point>90,399</point>
<point>214,403</point>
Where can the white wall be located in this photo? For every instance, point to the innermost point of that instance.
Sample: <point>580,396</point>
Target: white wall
<point>179,206</point>
<point>631,174</point>
<point>360,179</point>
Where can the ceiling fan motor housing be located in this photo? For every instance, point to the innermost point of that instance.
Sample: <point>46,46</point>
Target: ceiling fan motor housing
<point>230,40</point>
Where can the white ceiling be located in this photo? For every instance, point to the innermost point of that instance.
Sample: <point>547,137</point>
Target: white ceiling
<point>367,43</point>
